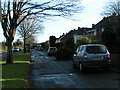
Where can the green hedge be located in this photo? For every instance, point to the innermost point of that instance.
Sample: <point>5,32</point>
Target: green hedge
<point>64,53</point>
<point>82,41</point>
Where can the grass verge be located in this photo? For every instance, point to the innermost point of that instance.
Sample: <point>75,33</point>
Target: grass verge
<point>14,75</point>
<point>19,58</point>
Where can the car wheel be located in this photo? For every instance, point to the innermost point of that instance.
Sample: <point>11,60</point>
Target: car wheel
<point>81,67</point>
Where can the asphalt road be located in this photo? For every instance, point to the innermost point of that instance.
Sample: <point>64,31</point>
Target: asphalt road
<point>49,73</point>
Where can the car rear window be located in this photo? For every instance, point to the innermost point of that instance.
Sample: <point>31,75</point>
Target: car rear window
<point>96,49</point>
<point>52,49</point>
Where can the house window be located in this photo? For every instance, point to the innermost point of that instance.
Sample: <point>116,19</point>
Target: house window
<point>102,29</point>
<point>94,33</point>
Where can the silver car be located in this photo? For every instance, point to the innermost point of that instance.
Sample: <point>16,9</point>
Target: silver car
<point>52,51</point>
<point>91,55</point>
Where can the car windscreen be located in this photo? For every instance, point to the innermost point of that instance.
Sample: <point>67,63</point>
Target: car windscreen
<point>96,49</point>
<point>16,48</point>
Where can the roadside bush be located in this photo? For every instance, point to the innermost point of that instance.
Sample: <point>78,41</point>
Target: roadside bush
<point>64,53</point>
<point>82,41</point>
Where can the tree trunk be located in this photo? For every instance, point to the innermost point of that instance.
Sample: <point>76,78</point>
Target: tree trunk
<point>9,52</point>
<point>24,45</point>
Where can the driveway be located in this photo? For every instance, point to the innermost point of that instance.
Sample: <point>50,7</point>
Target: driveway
<point>47,72</point>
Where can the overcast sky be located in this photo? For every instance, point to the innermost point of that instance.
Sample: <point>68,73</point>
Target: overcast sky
<point>57,26</point>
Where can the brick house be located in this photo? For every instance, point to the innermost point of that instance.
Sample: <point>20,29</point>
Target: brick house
<point>74,35</point>
<point>110,24</point>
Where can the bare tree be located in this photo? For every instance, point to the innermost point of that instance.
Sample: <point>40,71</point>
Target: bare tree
<point>112,7</point>
<point>28,28</point>
<point>12,10</point>
<point>31,40</point>
<point>18,43</point>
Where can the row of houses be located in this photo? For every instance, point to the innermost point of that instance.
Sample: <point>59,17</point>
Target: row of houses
<point>77,34</point>
<point>107,31</point>
<point>95,33</point>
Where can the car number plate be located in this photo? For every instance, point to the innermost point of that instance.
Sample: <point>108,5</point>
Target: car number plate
<point>97,57</point>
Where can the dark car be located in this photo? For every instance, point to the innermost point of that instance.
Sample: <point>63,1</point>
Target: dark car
<point>91,55</point>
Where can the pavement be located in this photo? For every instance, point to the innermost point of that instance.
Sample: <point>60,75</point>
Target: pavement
<point>115,69</point>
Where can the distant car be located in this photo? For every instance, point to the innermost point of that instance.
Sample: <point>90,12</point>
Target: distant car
<point>40,48</point>
<point>21,49</point>
<point>16,50</point>
<point>52,51</point>
<point>91,55</point>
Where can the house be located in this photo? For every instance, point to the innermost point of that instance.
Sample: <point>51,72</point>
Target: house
<point>107,31</point>
<point>107,24</point>
<point>67,37</point>
<point>81,33</point>
<point>71,37</point>
<point>77,37</point>
<point>58,40</point>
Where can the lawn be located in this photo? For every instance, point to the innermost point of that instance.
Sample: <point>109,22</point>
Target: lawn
<point>2,49</point>
<point>13,75</point>
<point>19,58</point>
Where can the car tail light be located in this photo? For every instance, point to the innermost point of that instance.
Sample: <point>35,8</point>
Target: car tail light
<point>108,55</point>
<point>85,56</point>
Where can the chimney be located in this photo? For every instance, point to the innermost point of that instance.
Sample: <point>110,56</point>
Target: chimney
<point>93,25</point>
<point>114,14</point>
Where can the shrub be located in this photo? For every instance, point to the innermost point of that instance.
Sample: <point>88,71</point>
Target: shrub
<point>64,53</point>
<point>84,41</point>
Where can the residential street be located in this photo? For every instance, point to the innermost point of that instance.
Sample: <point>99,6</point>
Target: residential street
<point>49,73</point>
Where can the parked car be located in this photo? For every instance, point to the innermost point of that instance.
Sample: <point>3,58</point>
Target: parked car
<point>52,51</point>
<point>20,49</point>
<point>39,48</point>
<point>91,55</point>
<point>16,50</point>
